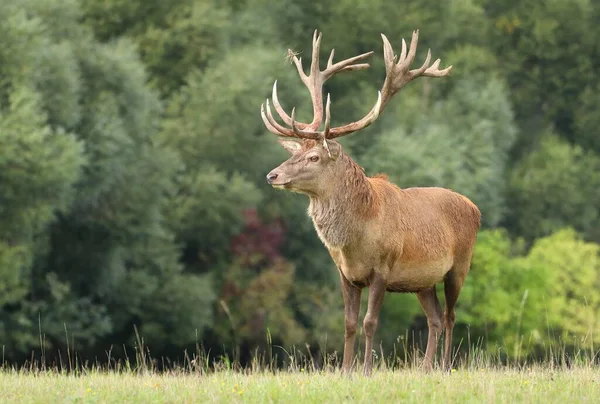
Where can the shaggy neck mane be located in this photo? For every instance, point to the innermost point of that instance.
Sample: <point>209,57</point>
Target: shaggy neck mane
<point>334,213</point>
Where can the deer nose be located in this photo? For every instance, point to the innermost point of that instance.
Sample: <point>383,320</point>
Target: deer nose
<point>271,177</point>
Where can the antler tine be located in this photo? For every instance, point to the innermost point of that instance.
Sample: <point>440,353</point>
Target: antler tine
<point>281,130</point>
<point>398,74</point>
<point>330,61</point>
<point>425,65</point>
<point>294,121</point>
<point>314,65</point>
<point>298,63</point>
<point>314,134</point>
<point>388,54</point>
<point>303,134</point>
<point>403,53</point>
<point>434,71</point>
<point>327,117</point>
<point>361,124</point>
<point>306,133</point>
<point>412,52</point>
<point>280,111</point>
<point>267,123</point>
<point>345,65</point>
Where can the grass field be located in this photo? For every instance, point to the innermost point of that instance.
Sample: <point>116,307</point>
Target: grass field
<point>535,385</point>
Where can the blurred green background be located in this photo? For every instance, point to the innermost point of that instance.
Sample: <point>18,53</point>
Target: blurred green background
<point>133,156</point>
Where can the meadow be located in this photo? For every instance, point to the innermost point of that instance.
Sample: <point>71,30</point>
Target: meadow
<point>133,197</point>
<point>478,377</point>
<point>484,385</point>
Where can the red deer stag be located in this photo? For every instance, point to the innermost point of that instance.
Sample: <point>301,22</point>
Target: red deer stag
<point>379,235</point>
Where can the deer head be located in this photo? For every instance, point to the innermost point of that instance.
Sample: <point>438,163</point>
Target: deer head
<point>311,169</point>
<point>315,162</point>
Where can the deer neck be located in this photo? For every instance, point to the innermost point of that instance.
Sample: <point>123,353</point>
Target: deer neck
<point>339,213</point>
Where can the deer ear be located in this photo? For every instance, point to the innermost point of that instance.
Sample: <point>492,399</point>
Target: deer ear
<point>290,144</point>
<point>334,149</point>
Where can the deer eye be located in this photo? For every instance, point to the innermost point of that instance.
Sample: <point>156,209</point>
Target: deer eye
<point>314,159</point>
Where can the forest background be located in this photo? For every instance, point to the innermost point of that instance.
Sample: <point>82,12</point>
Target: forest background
<point>133,158</point>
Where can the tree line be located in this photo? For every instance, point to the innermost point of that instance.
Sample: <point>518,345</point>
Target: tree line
<point>132,163</point>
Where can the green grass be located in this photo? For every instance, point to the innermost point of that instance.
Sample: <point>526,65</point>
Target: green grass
<point>539,384</point>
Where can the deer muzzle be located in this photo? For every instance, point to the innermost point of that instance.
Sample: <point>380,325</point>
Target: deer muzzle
<point>271,177</point>
<point>277,180</point>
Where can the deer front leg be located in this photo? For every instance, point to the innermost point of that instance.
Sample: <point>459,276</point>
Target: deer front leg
<point>351,296</point>
<point>376,295</point>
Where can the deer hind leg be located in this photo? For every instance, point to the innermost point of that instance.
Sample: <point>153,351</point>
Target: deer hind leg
<point>431,306</point>
<point>452,286</point>
<point>351,296</point>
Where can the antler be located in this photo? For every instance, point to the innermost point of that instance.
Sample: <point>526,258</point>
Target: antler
<point>314,82</point>
<point>397,76</point>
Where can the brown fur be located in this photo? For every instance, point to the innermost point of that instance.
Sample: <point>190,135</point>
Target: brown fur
<point>384,237</point>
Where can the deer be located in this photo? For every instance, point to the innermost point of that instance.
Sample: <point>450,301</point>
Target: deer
<point>380,236</point>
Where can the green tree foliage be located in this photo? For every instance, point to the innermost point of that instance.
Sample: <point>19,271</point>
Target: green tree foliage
<point>492,301</point>
<point>133,156</point>
<point>569,303</point>
<point>214,117</point>
<point>85,186</point>
<point>587,119</point>
<point>173,37</point>
<point>254,304</point>
<point>224,150</point>
<point>553,187</point>
<point>39,163</point>
<point>524,301</point>
<point>546,48</point>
